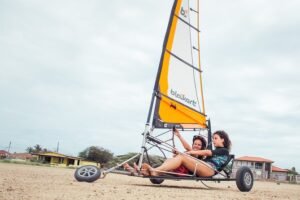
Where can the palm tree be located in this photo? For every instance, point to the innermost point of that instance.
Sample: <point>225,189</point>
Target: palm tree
<point>37,148</point>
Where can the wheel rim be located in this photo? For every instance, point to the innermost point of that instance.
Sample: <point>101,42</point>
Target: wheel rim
<point>87,171</point>
<point>248,178</point>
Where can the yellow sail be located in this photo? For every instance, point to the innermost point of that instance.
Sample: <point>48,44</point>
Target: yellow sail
<point>178,86</point>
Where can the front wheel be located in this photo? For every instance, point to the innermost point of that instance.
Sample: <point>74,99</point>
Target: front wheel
<point>244,179</point>
<point>156,180</point>
<point>88,173</point>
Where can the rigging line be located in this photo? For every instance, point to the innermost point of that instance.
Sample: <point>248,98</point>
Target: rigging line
<point>180,59</point>
<point>162,133</point>
<point>190,25</point>
<point>192,56</point>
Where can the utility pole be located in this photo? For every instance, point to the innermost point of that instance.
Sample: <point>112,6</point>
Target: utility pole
<point>57,148</point>
<point>8,149</point>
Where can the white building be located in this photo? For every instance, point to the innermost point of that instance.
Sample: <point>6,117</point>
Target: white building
<point>279,174</point>
<point>260,167</point>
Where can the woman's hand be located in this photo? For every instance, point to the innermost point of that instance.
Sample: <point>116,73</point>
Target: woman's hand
<point>175,152</point>
<point>176,132</point>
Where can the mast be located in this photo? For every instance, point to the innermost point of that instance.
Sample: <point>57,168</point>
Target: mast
<point>199,61</point>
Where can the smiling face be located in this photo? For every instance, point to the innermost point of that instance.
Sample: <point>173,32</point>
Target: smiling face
<point>197,144</point>
<point>218,141</point>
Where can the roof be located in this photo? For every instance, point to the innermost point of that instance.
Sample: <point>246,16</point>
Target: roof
<point>3,152</point>
<point>254,159</point>
<point>22,155</point>
<point>277,169</point>
<point>55,154</point>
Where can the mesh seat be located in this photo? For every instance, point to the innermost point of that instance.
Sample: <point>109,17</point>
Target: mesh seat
<point>227,166</point>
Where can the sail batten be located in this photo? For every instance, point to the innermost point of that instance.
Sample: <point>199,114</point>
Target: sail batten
<point>179,83</point>
<point>187,23</point>
<point>188,64</point>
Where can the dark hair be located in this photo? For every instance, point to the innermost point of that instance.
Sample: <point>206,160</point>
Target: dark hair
<point>224,135</point>
<point>203,141</point>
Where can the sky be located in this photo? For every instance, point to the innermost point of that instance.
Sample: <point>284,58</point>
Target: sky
<point>81,73</point>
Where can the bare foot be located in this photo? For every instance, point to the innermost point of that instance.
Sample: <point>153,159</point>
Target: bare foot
<point>136,167</point>
<point>127,167</point>
<point>147,170</point>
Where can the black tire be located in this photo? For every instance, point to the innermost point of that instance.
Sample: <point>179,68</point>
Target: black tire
<point>88,173</point>
<point>244,179</point>
<point>156,181</point>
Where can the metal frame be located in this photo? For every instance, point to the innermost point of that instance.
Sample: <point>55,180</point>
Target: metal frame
<point>150,141</point>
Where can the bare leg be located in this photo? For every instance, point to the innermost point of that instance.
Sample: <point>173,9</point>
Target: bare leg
<point>169,164</point>
<point>189,163</point>
<point>136,167</point>
<point>201,168</point>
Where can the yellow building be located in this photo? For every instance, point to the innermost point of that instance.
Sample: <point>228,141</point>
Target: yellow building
<point>62,160</point>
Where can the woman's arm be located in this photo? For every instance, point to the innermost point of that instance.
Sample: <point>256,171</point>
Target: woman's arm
<point>183,141</point>
<point>200,152</point>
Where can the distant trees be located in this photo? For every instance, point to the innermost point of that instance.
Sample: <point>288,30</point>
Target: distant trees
<point>97,154</point>
<point>293,171</point>
<point>155,160</point>
<point>36,149</point>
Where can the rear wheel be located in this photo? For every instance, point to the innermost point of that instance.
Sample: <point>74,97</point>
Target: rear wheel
<point>244,179</point>
<point>88,173</point>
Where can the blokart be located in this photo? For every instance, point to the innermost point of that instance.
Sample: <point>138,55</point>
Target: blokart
<point>177,101</point>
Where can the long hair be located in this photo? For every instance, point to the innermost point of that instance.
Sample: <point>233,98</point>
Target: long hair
<point>203,141</point>
<point>224,135</point>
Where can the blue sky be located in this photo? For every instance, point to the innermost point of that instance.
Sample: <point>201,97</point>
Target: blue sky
<point>82,73</point>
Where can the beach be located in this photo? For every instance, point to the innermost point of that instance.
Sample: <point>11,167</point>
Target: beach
<point>28,182</point>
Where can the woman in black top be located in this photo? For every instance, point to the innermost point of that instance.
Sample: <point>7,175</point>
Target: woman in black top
<point>214,159</point>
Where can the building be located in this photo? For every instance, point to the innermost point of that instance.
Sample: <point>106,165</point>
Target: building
<point>298,179</point>
<point>4,154</point>
<point>260,167</point>
<point>22,156</point>
<point>279,174</point>
<point>58,159</point>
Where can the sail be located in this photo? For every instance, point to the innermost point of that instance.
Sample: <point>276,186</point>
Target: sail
<point>178,87</point>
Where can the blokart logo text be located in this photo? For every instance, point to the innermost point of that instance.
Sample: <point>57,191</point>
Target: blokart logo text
<point>183,98</point>
<point>184,12</point>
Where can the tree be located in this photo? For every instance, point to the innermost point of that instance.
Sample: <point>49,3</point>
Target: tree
<point>293,171</point>
<point>97,154</point>
<point>36,149</point>
<point>155,160</point>
<point>29,149</point>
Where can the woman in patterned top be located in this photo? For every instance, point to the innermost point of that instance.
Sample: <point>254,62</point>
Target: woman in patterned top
<point>214,159</point>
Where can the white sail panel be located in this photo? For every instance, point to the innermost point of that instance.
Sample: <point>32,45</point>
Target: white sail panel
<point>184,84</point>
<point>184,64</point>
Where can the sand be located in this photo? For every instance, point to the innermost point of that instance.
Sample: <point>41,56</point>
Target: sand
<point>26,182</point>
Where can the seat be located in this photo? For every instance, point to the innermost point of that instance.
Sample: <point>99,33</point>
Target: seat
<point>227,166</point>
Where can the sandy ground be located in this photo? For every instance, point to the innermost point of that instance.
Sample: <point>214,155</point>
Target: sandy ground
<point>25,182</point>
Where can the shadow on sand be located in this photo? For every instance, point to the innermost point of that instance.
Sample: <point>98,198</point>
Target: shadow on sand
<point>180,187</point>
